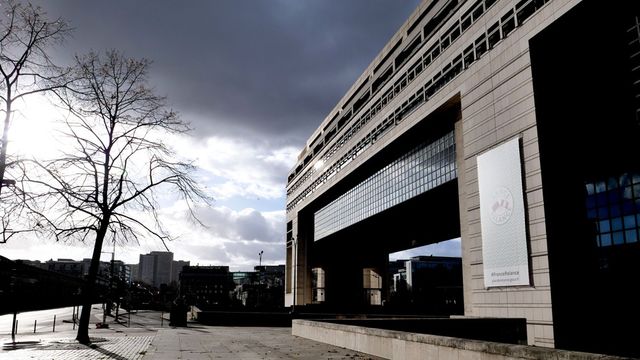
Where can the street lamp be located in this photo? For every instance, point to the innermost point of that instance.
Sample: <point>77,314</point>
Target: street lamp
<point>108,304</point>
<point>260,255</point>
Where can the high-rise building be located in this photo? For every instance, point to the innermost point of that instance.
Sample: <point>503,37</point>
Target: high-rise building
<point>158,267</point>
<point>155,268</point>
<point>513,125</point>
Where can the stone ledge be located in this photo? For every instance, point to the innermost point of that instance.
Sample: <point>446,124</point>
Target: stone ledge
<point>304,328</point>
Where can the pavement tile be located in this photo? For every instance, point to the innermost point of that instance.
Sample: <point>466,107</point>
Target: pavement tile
<point>119,348</point>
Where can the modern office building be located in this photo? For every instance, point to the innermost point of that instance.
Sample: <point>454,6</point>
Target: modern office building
<point>158,267</point>
<point>511,124</point>
<point>429,285</point>
<point>207,287</point>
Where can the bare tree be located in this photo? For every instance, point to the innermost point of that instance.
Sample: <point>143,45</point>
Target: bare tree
<point>110,183</point>
<point>25,66</point>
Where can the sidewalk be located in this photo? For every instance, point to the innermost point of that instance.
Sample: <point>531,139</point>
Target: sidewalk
<point>241,343</point>
<point>117,342</point>
<point>149,337</point>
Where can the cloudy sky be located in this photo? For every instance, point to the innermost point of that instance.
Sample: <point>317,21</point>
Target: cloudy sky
<point>254,79</point>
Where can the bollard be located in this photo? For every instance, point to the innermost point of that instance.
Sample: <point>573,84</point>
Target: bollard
<point>54,323</point>
<point>35,322</point>
<point>16,327</point>
<point>161,318</point>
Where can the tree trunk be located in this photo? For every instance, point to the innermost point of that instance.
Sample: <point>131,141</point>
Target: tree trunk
<point>90,284</point>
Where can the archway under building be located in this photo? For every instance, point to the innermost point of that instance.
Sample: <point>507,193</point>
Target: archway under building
<point>349,269</point>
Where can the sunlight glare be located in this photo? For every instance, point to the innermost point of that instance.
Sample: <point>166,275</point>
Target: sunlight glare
<point>32,132</point>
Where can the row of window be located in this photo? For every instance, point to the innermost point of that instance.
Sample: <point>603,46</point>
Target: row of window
<point>421,169</point>
<point>454,31</point>
<point>613,206</point>
<point>633,39</point>
<point>476,49</point>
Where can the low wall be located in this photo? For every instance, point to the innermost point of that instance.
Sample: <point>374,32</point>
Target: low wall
<point>392,344</point>
<point>501,330</point>
<point>242,318</point>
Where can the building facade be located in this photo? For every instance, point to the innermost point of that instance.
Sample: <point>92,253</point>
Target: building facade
<point>510,124</point>
<point>207,287</point>
<point>158,267</point>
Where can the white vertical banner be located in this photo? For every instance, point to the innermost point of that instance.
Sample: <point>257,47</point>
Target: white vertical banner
<point>502,220</point>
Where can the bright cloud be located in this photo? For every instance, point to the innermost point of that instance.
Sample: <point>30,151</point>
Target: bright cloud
<point>236,167</point>
<point>230,236</point>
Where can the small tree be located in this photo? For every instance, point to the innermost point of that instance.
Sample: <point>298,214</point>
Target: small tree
<point>25,66</point>
<point>108,183</point>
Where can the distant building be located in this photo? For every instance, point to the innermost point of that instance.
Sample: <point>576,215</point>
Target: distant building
<point>80,268</point>
<point>262,288</point>
<point>68,266</point>
<point>35,263</point>
<point>146,269</point>
<point>206,286</point>
<point>215,287</point>
<point>121,271</point>
<point>27,285</point>
<point>135,273</point>
<point>158,267</point>
<point>177,267</point>
<point>433,284</point>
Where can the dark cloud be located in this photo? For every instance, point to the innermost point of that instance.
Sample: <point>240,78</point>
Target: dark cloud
<point>247,225</point>
<point>239,67</point>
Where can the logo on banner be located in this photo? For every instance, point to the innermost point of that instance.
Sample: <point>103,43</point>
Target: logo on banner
<point>501,206</point>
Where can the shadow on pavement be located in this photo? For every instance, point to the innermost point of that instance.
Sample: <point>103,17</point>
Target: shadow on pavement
<point>19,345</point>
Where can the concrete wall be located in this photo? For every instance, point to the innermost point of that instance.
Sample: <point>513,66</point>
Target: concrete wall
<point>498,105</point>
<point>390,344</point>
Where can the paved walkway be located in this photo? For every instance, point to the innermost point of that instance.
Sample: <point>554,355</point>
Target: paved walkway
<point>148,337</point>
<point>241,343</point>
<point>119,348</point>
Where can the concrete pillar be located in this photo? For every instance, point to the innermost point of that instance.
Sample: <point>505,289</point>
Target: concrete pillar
<point>302,275</point>
<point>464,227</point>
<point>372,283</point>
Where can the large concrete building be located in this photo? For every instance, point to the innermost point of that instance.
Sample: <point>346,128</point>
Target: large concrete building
<point>511,124</point>
<point>158,267</point>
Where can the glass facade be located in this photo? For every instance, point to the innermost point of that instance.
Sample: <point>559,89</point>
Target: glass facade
<point>613,206</point>
<point>423,168</point>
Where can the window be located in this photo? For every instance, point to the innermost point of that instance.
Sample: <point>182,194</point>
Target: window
<point>613,207</point>
<point>494,35</point>
<point>435,50</point>
<point>469,56</point>
<point>524,9</point>
<point>481,45</point>
<point>421,169</point>
<point>508,23</point>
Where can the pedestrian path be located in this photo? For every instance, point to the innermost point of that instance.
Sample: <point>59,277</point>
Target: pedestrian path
<point>146,336</point>
<point>118,348</point>
<point>241,343</point>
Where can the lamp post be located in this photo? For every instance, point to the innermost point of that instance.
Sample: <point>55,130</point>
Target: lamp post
<point>260,257</point>
<point>107,308</point>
